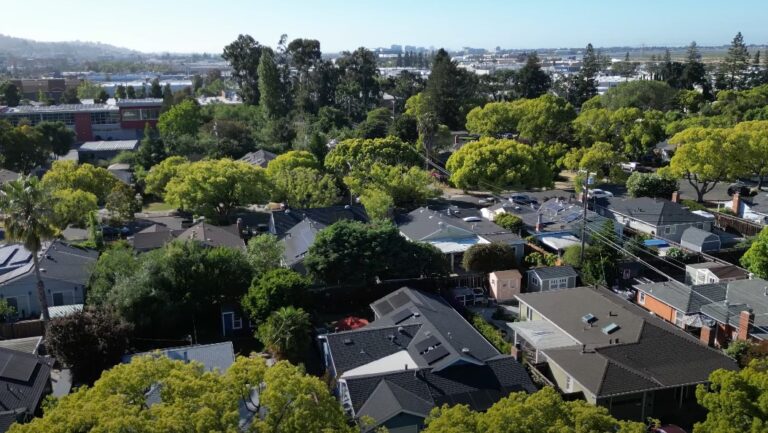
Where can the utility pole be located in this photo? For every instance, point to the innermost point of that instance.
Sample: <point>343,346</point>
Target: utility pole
<point>585,199</point>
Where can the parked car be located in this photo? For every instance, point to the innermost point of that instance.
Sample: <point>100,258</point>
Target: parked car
<point>599,193</point>
<point>486,201</point>
<point>521,199</point>
<point>629,166</point>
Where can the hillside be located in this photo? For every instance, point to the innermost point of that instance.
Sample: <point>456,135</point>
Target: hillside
<point>81,50</point>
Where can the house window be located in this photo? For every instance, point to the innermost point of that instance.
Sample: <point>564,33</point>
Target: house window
<point>678,317</point>
<point>568,384</point>
<point>528,313</point>
<point>641,298</point>
<point>668,230</point>
<point>237,322</point>
<point>535,281</point>
<point>558,283</point>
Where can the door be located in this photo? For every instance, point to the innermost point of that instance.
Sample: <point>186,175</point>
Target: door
<point>227,323</point>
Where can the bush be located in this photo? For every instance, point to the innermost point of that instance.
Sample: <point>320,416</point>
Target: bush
<point>508,221</point>
<point>651,185</point>
<point>491,334</point>
<point>693,205</point>
<point>485,258</point>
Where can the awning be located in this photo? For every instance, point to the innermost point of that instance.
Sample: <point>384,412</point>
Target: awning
<point>541,334</point>
<point>560,242</point>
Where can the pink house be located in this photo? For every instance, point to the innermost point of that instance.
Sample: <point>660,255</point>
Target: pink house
<point>505,284</point>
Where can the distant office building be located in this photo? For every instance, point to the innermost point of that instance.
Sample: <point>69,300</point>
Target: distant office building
<point>124,120</point>
<point>51,87</point>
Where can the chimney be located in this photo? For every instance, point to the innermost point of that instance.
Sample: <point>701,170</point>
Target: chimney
<point>675,197</point>
<point>745,319</point>
<point>736,204</point>
<point>538,223</point>
<point>517,352</point>
<point>707,335</point>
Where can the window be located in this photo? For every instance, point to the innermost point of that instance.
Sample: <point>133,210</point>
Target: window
<point>535,281</point>
<point>641,298</point>
<point>558,283</point>
<point>528,313</point>
<point>678,317</point>
<point>668,230</point>
<point>237,322</point>
<point>568,383</point>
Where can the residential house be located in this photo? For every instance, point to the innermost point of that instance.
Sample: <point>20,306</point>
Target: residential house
<point>678,303</point>
<point>592,344</point>
<point>25,378</point>
<point>417,354</point>
<point>702,241</point>
<point>653,216</point>
<point>64,268</point>
<point>296,243</point>
<point>741,315</point>
<point>750,208</point>
<point>551,278</point>
<point>259,158</point>
<point>453,233</point>
<point>214,357</point>
<point>214,236</point>
<point>491,212</point>
<point>153,237</point>
<point>713,272</point>
<point>505,284</point>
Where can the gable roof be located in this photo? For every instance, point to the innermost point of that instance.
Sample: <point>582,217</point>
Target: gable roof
<point>688,299</point>
<point>743,295</point>
<point>23,380</point>
<point>153,237</point>
<point>550,272</point>
<point>26,345</point>
<point>60,261</point>
<point>298,239</point>
<point>284,220</point>
<point>213,356</point>
<point>424,223</point>
<point>697,236</point>
<point>259,158</point>
<point>653,211</point>
<point>213,236</point>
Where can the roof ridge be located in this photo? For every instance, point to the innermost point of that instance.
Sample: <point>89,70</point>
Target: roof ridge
<point>373,328</point>
<point>392,384</point>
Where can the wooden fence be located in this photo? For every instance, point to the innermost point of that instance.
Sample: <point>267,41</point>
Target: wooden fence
<point>740,225</point>
<point>22,329</point>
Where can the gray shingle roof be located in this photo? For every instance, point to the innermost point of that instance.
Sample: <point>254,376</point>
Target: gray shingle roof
<point>358,347</point>
<point>298,239</point>
<point>213,356</point>
<point>259,158</point>
<point>743,295</point>
<point>688,299</point>
<point>653,211</point>
<point>213,236</point>
<point>423,222</point>
<point>23,380</point>
<point>8,175</point>
<point>550,272</point>
<point>26,345</point>
<point>698,236</point>
<point>284,220</point>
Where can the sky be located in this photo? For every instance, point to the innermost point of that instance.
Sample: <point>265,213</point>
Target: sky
<point>207,25</point>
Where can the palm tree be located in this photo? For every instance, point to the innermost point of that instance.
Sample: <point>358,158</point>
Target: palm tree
<point>28,216</point>
<point>286,332</point>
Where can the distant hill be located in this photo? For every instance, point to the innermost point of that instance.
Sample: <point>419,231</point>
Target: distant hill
<point>28,48</point>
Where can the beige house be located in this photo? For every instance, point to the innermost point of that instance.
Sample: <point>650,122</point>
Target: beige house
<point>505,284</point>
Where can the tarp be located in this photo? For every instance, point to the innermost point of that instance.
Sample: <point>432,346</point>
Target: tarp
<point>655,243</point>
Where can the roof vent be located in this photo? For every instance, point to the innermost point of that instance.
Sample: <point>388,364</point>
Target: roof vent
<point>401,330</point>
<point>589,318</point>
<point>465,350</point>
<point>610,329</point>
<point>347,341</point>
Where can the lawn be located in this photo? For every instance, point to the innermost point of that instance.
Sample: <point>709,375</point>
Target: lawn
<point>158,206</point>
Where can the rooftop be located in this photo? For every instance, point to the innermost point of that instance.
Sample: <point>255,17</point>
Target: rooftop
<point>217,356</point>
<point>213,236</point>
<point>550,272</point>
<point>109,146</point>
<point>63,108</point>
<point>260,158</point>
<point>653,211</point>
<point>23,380</point>
<point>284,220</point>
<point>688,299</point>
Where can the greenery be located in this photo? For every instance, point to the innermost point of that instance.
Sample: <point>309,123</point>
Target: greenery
<point>374,251</point>
<point>491,333</point>
<point>286,333</point>
<point>756,257</point>
<point>68,175</point>
<point>406,187</point>
<point>116,263</point>
<point>89,342</point>
<point>510,222</point>
<point>194,400</point>
<point>651,185</point>
<point>264,253</point>
<point>520,412</point>
<point>275,289</point>
<point>29,220</point>
<point>536,259</point>
<point>486,258</point>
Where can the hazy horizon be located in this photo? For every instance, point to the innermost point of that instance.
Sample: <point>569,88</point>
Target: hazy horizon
<point>197,26</point>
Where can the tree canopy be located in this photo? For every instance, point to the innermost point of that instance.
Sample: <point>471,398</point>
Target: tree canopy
<point>275,289</point>
<point>756,257</point>
<point>486,258</point>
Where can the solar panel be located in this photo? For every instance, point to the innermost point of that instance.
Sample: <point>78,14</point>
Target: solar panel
<point>383,307</point>
<point>427,343</point>
<point>401,315</point>
<point>17,369</point>
<point>399,300</point>
<point>435,354</point>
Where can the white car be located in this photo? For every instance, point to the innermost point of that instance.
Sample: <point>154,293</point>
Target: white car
<point>599,193</point>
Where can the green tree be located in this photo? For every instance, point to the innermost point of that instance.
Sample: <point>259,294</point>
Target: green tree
<point>102,97</point>
<point>378,204</point>
<point>751,141</point>
<point>89,342</point>
<point>486,258</point>
<point>358,88</point>
<point>155,90</point>
<point>120,92</point>
<point>275,289</point>
<point>292,160</point>
<point>273,96</point>
<point>151,150</point>
<point>530,81</point>
<point>122,203</point>
<point>7,312</point>
<point>69,96</point>
<point>582,86</point>
<point>361,154</point>
<point>264,253</point>
<point>600,158</point>
<point>734,400</point>
<point>244,54</point>
<point>57,136</point>
<point>756,257</point>
<point>630,131</point>
<point>651,185</point>
<point>704,157</point>
<point>28,220</point>
<point>88,90</point>
<point>510,222</point>
<point>304,188</point>
<point>642,94</point>
<point>9,94</point>
<point>408,187</point>
<point>117,262</point>
<point>286,333</point>
<point>73,206</point>
<point>376,124</point>
<point>491,164</point>
<point>160,174</point>
<point>450,92</point>
<point>23,148</point>
<point>214,188</point>
<point>181,119</point>
<point>542,411</point>
<point>733,71</point>
<point>84,177</point>
<point>544,119</point>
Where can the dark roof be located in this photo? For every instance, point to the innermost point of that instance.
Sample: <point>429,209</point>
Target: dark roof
<point>23,379</point>
<point>284,220</point>
<point>298,239</point>
<point>699,237</point>
<point>260,158</point>
<point>351,349</point>
<point>550,272</point>
<point>653,211</point>
<point>213,356</point>
<point>423,222</point>
<point>417,391</point>
<point>153,237</point>
<point>644,353</point>
<point>743,295</point>
<point>213,236</point>
<point>688,299</point>
<point>730,271</point>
